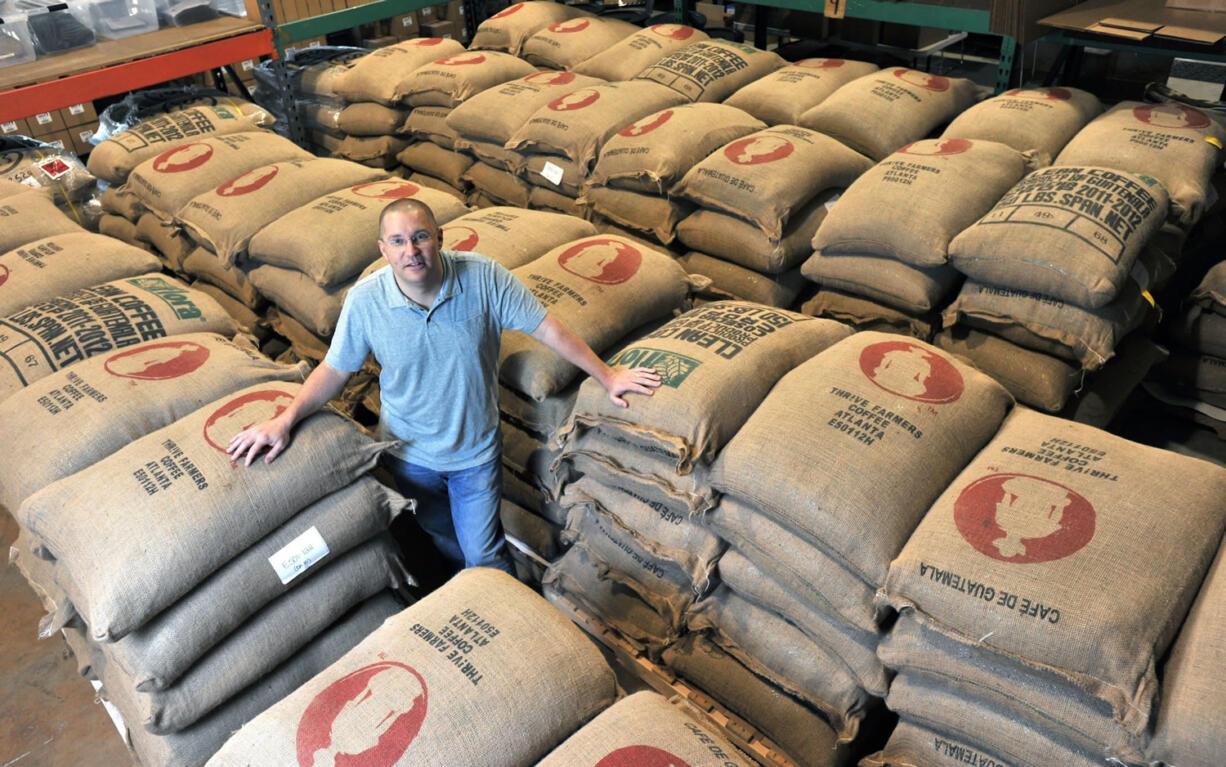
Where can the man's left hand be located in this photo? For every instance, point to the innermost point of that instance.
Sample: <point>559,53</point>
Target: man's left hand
<point>631,381</point>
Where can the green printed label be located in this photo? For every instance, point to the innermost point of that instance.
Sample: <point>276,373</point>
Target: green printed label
<point>673,368</point>
<point>175,296</point>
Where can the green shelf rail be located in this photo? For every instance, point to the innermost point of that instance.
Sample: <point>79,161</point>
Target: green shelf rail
<point>317,26</point>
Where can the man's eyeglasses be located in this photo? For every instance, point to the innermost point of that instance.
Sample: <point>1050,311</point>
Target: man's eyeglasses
<point>417,238</point>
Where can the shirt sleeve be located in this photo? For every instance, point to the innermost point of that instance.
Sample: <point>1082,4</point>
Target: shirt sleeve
<point>349,345</point>
<point>517,308</point>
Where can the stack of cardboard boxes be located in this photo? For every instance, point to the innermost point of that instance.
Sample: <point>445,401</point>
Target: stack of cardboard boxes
<point>69,128</point>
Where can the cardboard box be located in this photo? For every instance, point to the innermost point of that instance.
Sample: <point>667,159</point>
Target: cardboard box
<point>246,69</point>
<point>61,139</point>
<point>406,26</point>
<point>46,123</point>
<point>15,128</point>
<point>80,136</point>
<point>716,14</point>
<point>79,114</point>
<point>453,11</point>
<point>910,37</point>
<point>429,15</point>
<point>446,29</point>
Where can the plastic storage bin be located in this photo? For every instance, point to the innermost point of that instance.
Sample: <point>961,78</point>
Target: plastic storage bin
<point>180,13</point>
<point>123,18</point>
<point>58,27</point>
<point>15,44</point>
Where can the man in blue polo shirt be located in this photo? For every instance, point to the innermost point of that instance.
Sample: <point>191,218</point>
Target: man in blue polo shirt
<point>433,320</point>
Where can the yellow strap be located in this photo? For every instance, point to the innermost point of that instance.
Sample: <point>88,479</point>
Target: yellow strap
<point>1146,295</point>
<point>1215,141</point>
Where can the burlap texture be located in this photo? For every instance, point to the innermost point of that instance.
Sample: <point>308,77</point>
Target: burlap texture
<point>1201,331</point>
<point>369,118</point>
<point>542,417</point>
<point>1175,144</point>
<point>202,264</point>
<point>567,44</point>
<point>944,185</point>
<point>600,287</point>
<point>373,151</point>
<point>740,242</point>
<point>531,529</point>
<point>511,236</point>
<point>863,314</point>
<point>1037,495</point>
<point>493,115</point>
<point>297,294</point>
<point>324,118</point>
<point>655,216</point>
<point>577,125</point>
<point>98,405</point>
<point>114,201</point>
<point>1068,232</point>
<point>766,176</point>
<point>437,184</point>
<point>881,112</point>
<point>105,548</point>
<point>711,70</point>
<point>10,188</point>
<point>914,290</point>
<point>528,455</point>
<point>30,216</point>
<point>379,75</point>
<point>614,460</point>
<point>119,228</point>
<point>1038,120</point>
<point>450,81</point>
<point>490,153</point>
<point>502,187</point>
<point>320,79</point>
<point>168,239</point>
<point>631,55</point>
<point>459,655</point>
<point>45,337</point>
<point>731,281</point>
<point>434,160</point>
<point>508,29</point>
<point>781,97</point>
<point>1211,292</point>
<point>50,267</point>
<point>642,729</point>
<point>430,124</point>
<point>540,198</point>
<point>1201,376</point>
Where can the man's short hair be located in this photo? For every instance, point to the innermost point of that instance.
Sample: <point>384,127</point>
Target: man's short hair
<point>407,204</point>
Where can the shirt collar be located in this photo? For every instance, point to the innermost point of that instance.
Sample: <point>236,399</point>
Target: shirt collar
<point>453,285</point>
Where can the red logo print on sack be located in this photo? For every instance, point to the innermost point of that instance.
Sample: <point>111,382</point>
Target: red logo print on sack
<point>912,372</point>
<point>181,158</point>
<point>241,412</point>
<point>602,260</point>
<point>1023,519</point>
<point>673,31</point>
<point>938,147</point>
<point>571,25</point>
<point>1172,116</point>
<point>251,181</point>
<point>646,125</point>
<point>551,78</point>
<point>4,274</point>
<point>820,63</point>
<point>507,12</point>
<point>426,41</point>
<point>388,189</point>
<point>158,362</point>
<point>367,718</point>
<point>756,150</point>
<point>461,59</point>
<point>577,100</point>
<point>1041,94</point>
<point>934,83</point>
<point>641,756</point>
<point>460,238</point>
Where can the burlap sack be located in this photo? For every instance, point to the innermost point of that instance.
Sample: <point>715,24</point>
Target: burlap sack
<point>434,160</point>
<point>718,362</point>
<point>1071,233</point>
<point>53,266</point>
<point>272,635</point>
<point>645,729</point>
<point>542,417</point>
<point>540,198</point>
<point>1175,144</point>
<point>837,413</point>
<point>600,287</point>
<point>490,153</point>
<point>553,172</point>
<point>1038,120</point>
<point>911,289</point>
<point>373,151</point>
<point>378,76</point>
<point>493,115</point>
<point>863,314</point>
<point>945,185</point>
<point>225,219</point>
<point>881,112</point>
<point>304,344</point>
<point>781,97</point>
<point>168,239</point>
<point>508,29</point>
<point>10,188</point>
<point>39,573</point>
<point>653,153</point>
<point>193,746</point>
<point>115,158</point>
<point>1211,292</point>
<point>170,180</point>
<point>119,228</point>
<point>201,264</point>
<point>578,123</point>
<point>711,70</point>
<point>730,281</point>
<point>502,187</point>
<point>530,529</point>
<point>334,237</point>
<point>1201,331</point>
<point>766,176</point>
<point>451,80</point>
<point>439,185</point>
<point>42,338</point>
<point>740,242</point>
<point>430,124</point>
<point>1200,377</point>
<point>1087,337</point>
<point>104,556</point>
<point>1033,378</point>
<point>1069,475</point>
<point>511,236</point>
<point>580,580</point>
<point>324,144</point>
<point>31,216</point>
<point>776,650</point>
<point>370,118</point>
<point>1101,400</point>
<point>101,404</point>
<point>633,54</point>
<point>653,215</point>
<point>324,118</point>
<point>803,734</point>
<point>465,650</point>
<point>568,43</point>
<point>296,293</point>
<point>59,172</point>
<point>120,203</point>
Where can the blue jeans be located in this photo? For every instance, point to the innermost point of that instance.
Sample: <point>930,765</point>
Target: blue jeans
<point>459,510</point>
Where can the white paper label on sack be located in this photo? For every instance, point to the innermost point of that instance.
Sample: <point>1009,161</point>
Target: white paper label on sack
<point>552,173</point>
<point>830,203</point>
<point>298,555</point>
<point>31,182</point>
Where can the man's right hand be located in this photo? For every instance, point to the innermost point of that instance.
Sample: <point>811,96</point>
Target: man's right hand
<point>273,434</point>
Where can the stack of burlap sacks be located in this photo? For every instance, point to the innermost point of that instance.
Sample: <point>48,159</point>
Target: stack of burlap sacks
<point>57,171</point>
<point>196,591</point>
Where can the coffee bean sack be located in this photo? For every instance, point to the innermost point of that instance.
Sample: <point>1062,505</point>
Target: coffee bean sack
<point>915,290</point>
<point>630,56</point>
<point>745,244</point>
<point>46,268</point>
<point>1039,120</point>
<point>569,43</point>
<point>729,280</point>
<point>711,70</point>
<point>1032,377</point>
<point>864,314</point>
<point>378,76</point>
<point>781,97</point>
<point>512,236</point>
<point>451,80</point>
<point>508,29</point>
<point>31,215</point>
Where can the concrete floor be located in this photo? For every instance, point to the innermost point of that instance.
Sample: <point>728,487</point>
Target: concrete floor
<point>48,714</point>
